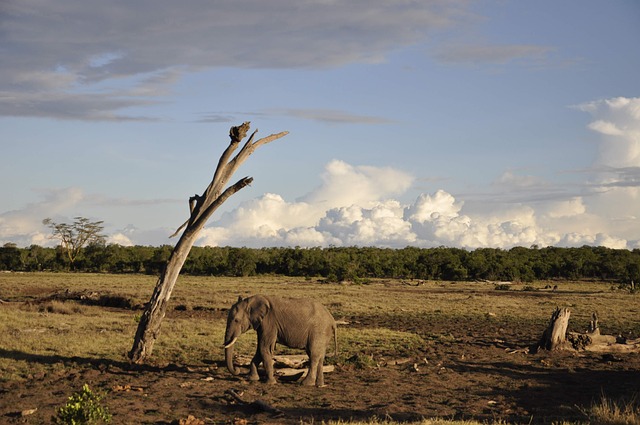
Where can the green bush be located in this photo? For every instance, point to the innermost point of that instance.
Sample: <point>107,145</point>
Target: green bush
<point>83,408</point>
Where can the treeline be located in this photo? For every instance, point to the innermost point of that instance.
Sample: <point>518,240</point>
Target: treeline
<point>349,263</point>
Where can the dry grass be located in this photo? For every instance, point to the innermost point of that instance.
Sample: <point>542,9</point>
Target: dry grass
<point>422,422</point>
<point>612,412</point>
<point>56,330</point>
<point>41,326</point>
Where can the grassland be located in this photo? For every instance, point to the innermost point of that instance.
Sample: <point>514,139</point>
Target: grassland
<point>408,350</point>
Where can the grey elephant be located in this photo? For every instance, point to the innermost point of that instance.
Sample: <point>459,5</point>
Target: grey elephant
<point>296,323</point>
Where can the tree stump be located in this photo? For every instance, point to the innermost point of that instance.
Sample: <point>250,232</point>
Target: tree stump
<point>554,337</point>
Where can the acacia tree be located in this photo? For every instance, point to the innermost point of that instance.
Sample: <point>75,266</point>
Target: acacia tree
<point>201,208</point>
<point>73,237</point>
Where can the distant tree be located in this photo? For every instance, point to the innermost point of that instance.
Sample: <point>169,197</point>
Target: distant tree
<point>10,257</point>
<point>37,258</point>
<point>73,237</point>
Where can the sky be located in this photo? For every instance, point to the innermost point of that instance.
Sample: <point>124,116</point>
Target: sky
<point>411,122</point>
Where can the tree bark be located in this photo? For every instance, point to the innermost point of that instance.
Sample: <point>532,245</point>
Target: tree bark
<point>201,208</point>
<point>554,337</point>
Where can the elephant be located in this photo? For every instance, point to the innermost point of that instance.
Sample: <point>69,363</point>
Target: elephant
<point>296,323</point>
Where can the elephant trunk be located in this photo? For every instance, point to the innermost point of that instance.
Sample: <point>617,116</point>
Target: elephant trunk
<point>228,357</point>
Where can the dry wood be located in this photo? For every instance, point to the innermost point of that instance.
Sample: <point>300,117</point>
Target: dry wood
<point>287,371</point>
<point>555,337</point>
<point>201,207</point>
<point>287,366</point>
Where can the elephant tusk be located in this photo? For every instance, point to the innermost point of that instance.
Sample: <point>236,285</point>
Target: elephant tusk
<point>231,343</point>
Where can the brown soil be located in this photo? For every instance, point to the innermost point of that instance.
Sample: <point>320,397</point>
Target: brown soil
<point>467,370</point>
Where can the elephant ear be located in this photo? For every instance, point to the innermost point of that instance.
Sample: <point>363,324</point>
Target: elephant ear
<point>259,307</point>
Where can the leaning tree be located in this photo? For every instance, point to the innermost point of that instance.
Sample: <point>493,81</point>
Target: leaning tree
<point>201,208</point>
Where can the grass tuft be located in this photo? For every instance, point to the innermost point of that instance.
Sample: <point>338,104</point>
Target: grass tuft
<point>612,412</point>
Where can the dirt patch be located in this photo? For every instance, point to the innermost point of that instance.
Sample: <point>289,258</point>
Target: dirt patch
<point>467,369</point>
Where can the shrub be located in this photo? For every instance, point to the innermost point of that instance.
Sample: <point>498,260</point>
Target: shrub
<point>83,408</point>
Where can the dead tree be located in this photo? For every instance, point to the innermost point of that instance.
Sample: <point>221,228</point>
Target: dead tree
<point>201,208</point>
<point>554,337</point>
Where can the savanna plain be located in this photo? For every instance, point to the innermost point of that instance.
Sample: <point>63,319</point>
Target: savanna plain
<point>408,351</point>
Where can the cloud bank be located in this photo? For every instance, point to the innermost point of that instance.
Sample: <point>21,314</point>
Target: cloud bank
<point>359,205</point>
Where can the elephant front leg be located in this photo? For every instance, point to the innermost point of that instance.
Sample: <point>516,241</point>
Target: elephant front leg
<point>253,367</point>
<point>267,361</point>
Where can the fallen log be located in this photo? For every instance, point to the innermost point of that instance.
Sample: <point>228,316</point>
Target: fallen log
<point>289,371</point>
<point>555,337</point>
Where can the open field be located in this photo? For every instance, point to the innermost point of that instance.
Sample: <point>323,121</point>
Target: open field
<point>409,350</point>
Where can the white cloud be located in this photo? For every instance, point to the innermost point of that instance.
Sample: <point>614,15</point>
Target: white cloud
<point>569,208</point>
<point>119,239</point>
<point>349,196</point>
<point>24,227</point>
<point>614,196</point>
<point>345,185</point>
<point>605,127</point>
<point>358,205</point>
<point>618,121</point>
<point>355,204</point>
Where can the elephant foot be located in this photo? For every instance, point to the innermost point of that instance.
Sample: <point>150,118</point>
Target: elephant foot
<point>307,383</point>
<point>271,381</point>
<point>253,378</point>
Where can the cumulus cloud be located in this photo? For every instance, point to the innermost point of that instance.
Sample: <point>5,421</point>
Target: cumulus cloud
<point>618,121</point>
<point>344,185</point>
<point>73,59</point>
<point>357,205</point>
<point>24,227</point>
<point>615,181</point>
<point>345,189</point>
<point>368,219</point>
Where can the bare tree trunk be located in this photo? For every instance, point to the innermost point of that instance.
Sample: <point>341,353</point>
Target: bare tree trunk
<point>201,208</point>
<point>554,337</point>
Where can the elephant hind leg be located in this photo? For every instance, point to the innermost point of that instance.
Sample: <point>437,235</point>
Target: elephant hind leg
<point>320,373</point>
<point>315,375</point>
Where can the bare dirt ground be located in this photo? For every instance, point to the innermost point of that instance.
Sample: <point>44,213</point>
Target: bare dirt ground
<point>474,370</point>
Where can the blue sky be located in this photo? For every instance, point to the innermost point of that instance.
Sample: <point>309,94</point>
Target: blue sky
<point>425,123</point>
